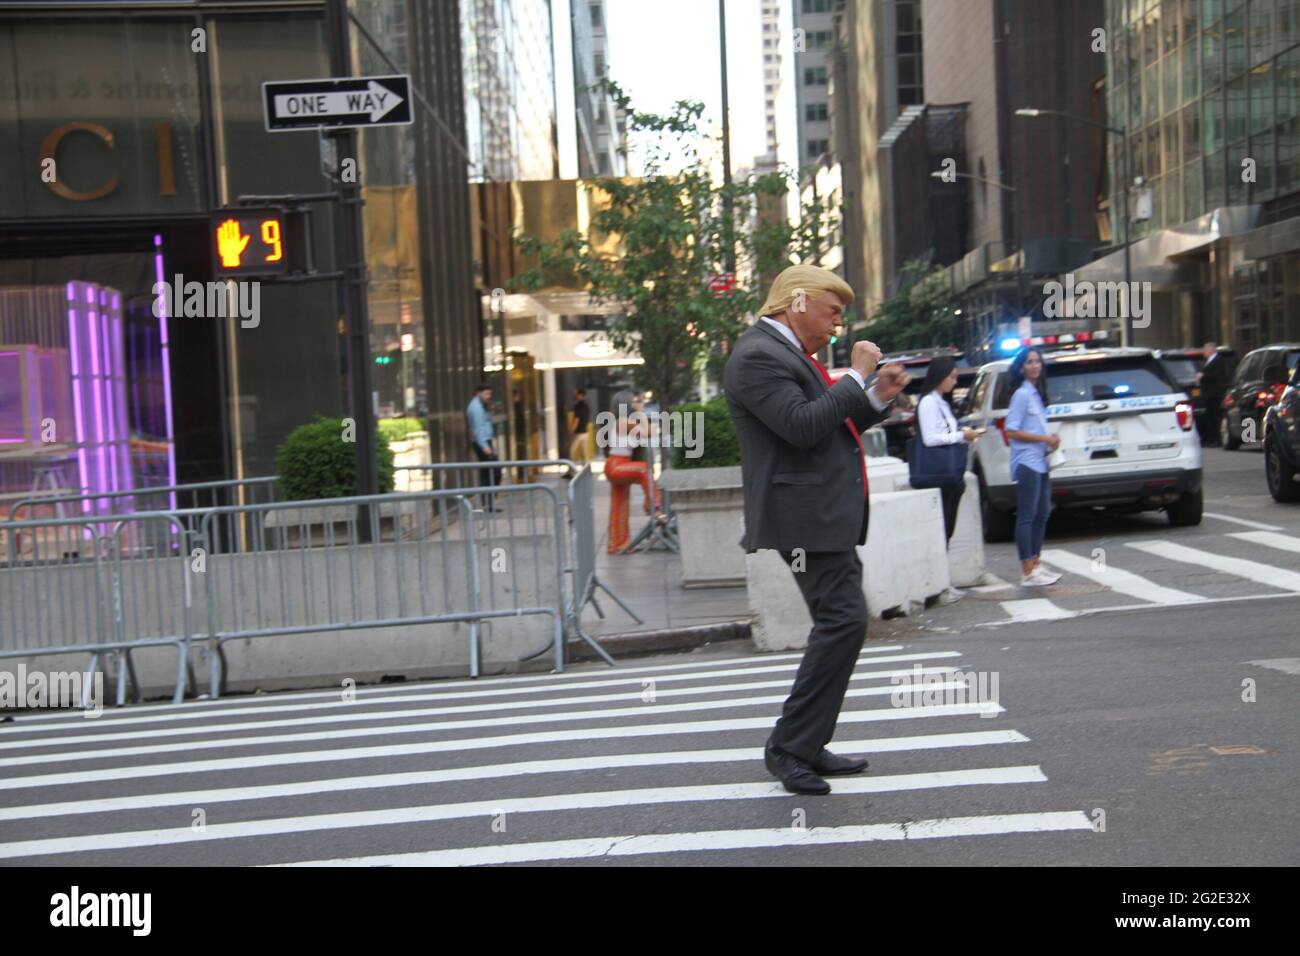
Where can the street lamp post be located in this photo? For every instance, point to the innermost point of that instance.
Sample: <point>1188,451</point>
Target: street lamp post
<point>1126,329</point>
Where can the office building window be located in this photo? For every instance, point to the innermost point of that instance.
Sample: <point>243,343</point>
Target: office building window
<point>816,147</point>
<point>815,112</point>
<point>597,15</point>
<point>815,76</point>
<point>816,6</point>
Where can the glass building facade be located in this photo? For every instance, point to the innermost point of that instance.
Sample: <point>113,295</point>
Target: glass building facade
<point>1209,94</point>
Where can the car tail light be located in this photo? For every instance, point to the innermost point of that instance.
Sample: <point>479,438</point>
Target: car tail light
<point>1001,425</point>
<point>1186,416</point>
<point>1229,400</point>
<point>1271,395</point>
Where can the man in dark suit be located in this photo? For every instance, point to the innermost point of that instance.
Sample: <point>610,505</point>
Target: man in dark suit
<point>1213,378</point>
<point>805,482</point>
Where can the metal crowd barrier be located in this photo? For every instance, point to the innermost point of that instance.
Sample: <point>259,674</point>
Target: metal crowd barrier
<point>85,586</point>
<point>101,584</point>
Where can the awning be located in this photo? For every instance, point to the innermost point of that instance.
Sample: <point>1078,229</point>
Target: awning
<point>1151,256</point>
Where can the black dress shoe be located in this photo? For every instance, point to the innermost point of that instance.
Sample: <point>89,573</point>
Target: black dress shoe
<point>795,775</point>
<point>829,765</point>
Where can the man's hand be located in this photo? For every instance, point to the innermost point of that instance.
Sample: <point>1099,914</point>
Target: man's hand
<point>1053,442</point>
<point>866,356</point>
<point>891,380</point>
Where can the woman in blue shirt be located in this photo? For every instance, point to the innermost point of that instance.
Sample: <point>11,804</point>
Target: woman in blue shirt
<point>1031,443</point>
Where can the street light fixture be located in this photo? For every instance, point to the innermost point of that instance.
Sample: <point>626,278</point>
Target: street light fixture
<point>1126,328</point>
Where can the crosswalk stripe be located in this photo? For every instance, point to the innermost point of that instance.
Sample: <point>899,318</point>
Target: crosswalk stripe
<point>413,726</point>
<point>208,707</point>
<point>1254,570</point>
<point>769,838</point>
<point>153,733</point>
<point>1241,521</point>
<point>1035,609</point>
<point>585,734</point>
<point>1119,580</point>
<point>1269,539</point>
<point>978,738</point>
<point>600,799</point>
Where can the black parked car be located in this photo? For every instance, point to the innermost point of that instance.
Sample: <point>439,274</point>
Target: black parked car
<point>1282,443</point>
<point>1259,382</point>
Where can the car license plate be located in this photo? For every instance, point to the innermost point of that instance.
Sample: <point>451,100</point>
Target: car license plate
<point>1101,437</point>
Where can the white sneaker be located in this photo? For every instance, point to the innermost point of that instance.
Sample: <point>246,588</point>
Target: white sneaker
<point>950,596</point>
<point>1032,580</point>
<point>1047,577</point>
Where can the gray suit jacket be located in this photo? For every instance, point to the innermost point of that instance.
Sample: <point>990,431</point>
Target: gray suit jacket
<point>799,462</point>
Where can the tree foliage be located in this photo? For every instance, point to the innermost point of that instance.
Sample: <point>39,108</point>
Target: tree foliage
<point>920,315</point>
<point>675,226</point>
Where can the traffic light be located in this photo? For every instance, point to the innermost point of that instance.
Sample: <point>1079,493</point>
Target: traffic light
<point>840,351</point>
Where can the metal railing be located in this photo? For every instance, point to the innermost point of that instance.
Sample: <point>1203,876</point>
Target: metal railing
<point>110,584</point>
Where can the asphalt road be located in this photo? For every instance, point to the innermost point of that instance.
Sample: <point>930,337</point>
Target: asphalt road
<point>1147,711</point>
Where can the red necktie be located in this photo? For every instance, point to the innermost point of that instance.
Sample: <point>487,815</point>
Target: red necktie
<point>826,377</point>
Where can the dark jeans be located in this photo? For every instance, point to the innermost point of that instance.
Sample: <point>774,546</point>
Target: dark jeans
<point>486,476</point>
<point>1033,505</point>
<point>831,583</point>
<point>951,488</point>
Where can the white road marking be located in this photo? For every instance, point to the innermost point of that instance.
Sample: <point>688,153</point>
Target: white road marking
<point>1269,539</point>
<point>633,845</point>
<point>598,799</point>
<point>1257,571</point>
<point>1118,580</point>
<point>478,743</point>
<point>396,692</point>
<point>978,738</point>
<point>1241,521</point>
<point>1287,665</point>
<point>424,727</point>
<point>1035,609</point>
<point>628,695</point>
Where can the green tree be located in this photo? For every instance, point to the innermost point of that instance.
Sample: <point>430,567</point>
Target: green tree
<point>920,315</point>
<point>674,227</point>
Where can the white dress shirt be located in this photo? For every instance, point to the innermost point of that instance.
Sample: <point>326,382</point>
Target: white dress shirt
<point>793,339</point>
<point>938,426</point>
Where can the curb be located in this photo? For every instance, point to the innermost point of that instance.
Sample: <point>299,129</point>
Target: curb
<point>638,643</point>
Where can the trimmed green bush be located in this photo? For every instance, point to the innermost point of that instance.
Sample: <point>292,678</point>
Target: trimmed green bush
<point>315,462</point>
<point>718,443</point>
<point>399,429</point>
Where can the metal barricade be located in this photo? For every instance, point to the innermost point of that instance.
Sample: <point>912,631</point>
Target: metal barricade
<point>86,586</point>
<point>311,569</point>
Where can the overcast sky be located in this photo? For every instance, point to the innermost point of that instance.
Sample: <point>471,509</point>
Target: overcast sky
<point>668,50</point>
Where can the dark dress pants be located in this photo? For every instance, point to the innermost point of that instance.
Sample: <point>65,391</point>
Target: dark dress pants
<point>831,583</point>
<point>487,476</point>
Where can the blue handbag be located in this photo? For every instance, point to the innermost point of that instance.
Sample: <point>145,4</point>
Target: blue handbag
<point>931,467</point>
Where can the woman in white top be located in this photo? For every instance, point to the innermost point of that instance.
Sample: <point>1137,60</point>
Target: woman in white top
<point>630,431</point>
<point>938,426</point>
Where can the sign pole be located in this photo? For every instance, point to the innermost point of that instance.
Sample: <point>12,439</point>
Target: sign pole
<point>349,252</point>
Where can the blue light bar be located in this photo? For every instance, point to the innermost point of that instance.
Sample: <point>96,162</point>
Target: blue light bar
<point>1010,345</point>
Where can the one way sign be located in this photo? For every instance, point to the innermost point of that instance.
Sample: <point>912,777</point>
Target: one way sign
<point>331,103</point>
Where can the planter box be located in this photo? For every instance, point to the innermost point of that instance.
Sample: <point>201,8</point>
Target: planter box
<point>710,507</point>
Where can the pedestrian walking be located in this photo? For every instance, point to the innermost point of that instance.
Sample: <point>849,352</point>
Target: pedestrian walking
<point>478,419</point>
<point>805,481</point>
<point>1031,444</point>
<point>937,456</point>
<point>580,418</point>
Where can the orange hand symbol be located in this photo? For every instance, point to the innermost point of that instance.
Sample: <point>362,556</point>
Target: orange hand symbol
<point>230,243</point>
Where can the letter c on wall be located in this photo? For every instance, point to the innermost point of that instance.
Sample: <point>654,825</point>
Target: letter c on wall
<point>50,146</point>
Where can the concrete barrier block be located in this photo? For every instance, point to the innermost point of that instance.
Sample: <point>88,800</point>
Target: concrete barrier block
<point>905,558</point>
<point>781,621</point>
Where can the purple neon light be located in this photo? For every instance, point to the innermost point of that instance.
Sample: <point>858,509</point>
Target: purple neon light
<point>106,383</point>
<point>77,396</point>
<point>11,441</point>
<point>95,384</point>
<point>166,369</point>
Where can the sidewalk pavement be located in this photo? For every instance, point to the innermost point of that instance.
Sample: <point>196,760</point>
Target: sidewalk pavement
<point>649,582</point>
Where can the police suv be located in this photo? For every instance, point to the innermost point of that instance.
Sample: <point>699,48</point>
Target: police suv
<point>1127,431</point>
